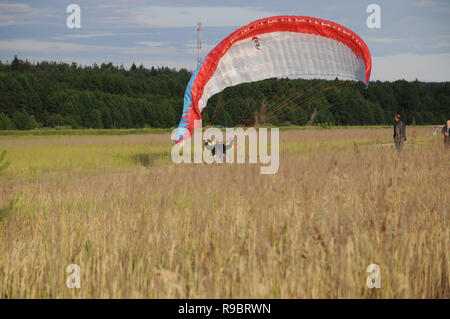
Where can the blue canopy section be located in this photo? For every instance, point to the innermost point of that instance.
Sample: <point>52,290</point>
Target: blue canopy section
<point>187,106</point>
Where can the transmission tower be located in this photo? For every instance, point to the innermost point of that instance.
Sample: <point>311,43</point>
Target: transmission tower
<point>199,43</point>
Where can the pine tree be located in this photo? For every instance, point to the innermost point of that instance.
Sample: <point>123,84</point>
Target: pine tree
<point>5,122</point>
<point>15,65</point>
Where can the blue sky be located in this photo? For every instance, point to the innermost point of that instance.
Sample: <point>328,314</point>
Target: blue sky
<point>413,42</point>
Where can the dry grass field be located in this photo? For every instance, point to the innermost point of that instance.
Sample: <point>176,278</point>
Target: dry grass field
<point>141,227</point>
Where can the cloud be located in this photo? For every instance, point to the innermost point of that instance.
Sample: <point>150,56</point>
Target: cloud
<point>15,8</point>
<point>442,45</point>
<point>87,36</point>
<point>49,47</point>
<point>436,6</point>
<point>434,41</point>
<point>430,68</point>
<point>172,17</point>
<point>16,14</point>
<point>30,45</point>
<point>150,44</point>
<point>191,47</point>
<point>408,20</point>
<point>381,40</point>
<point>426,3</point>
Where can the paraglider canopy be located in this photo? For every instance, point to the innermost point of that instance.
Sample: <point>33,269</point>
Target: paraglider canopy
<point>281,47</point>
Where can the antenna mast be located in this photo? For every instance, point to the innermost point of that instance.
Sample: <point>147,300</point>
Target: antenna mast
<point>199,43</point>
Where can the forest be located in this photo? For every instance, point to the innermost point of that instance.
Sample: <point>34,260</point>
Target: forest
<point>50,94</point>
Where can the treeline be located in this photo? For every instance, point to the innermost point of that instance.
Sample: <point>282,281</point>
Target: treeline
<point>301,102</point>
<point>50,94</point>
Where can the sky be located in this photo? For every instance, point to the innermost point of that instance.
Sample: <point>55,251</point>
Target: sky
<point>412,43</point>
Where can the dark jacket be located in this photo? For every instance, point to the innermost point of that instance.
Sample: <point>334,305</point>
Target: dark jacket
<point>219,148</point>
<point>399,132</point>
<point>446,138</point>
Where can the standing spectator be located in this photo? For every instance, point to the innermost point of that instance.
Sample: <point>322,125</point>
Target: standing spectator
<point>436,130</point>
<point>446,132</point>
<point>399,133</point>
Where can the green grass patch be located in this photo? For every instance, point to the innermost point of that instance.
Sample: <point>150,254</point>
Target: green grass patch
<point>84,132</point>
<point>33,161</point>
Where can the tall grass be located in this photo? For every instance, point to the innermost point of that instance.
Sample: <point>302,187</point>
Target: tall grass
<point>339,202</point>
